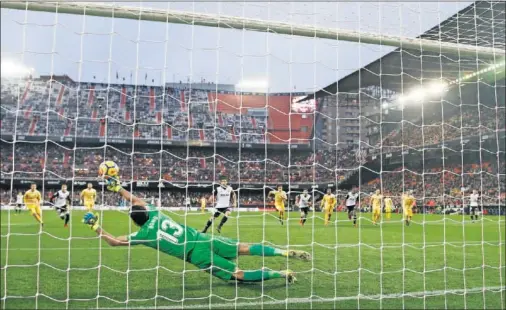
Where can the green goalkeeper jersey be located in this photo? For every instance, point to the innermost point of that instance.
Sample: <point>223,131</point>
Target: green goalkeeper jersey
<point>162,233</point>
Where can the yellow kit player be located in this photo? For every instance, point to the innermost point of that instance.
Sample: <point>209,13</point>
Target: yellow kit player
<point>376,199</point>
<point>32,201</point>
<point>279,201</point>
<point>328,203</point>
<point>88,197</point>
<point>203,202</point>
<point>389,205</point>
<point>407,205</point>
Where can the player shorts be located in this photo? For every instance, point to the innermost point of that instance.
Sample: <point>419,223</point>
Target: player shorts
<point>351,208</point>
<point>19,205</point>
<point>279,207</point>
<point>304,210</point>
<point>33,209</point>
<point>328,209</point>
<point>408,212</point>
<point>475,210</point>
<point>214,254</point>
<point>89,205</point>
<point>220,211</point>
<point>388,210</point>
<point>61,210</point>
<point>376,210</point>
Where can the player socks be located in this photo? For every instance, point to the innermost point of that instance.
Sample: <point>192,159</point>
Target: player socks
<point>261,250</point>
<point>224,219</point>
<point>259,275</point>
<point>37,217</point>
<point>209,223</point>
<point>67,218</point>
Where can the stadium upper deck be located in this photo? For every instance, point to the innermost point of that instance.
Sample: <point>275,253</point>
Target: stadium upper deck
<point>64,108</point>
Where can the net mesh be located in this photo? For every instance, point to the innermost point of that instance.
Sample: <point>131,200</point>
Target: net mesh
<point>178,106</point>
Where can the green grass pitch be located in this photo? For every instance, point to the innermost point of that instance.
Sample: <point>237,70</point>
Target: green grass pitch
<point>390,266</point>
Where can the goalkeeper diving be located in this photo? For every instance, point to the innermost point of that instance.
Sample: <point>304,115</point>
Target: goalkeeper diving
<point>212,254</point>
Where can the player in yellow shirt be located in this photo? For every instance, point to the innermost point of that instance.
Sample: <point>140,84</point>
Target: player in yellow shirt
<point>88,197</point>
<point>388,208</point>
<point>32,201</point>
<point>376,199</point>
<point>279,201</point>
<point>328,203</point>
<point>203,202</point>
<point>407,205</point>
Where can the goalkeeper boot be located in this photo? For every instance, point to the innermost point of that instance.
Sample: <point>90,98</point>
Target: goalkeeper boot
<point>290,276</point>
<point>302,255</point>
<point>218,229</point>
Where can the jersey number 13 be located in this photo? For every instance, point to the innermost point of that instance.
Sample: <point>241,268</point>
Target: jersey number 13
<point>173,235</point>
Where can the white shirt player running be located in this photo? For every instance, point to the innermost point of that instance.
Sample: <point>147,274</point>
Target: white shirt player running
<point>61,199</point>
<point>351,199</point>
<point>474,198</point>
<point>19,199</point>
<point>304,201</point>
<point>223,197</point>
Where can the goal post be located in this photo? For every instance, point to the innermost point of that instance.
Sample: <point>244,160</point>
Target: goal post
<point>241,23</point>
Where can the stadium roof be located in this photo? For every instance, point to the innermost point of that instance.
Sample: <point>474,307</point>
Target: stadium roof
<point>481,23</point>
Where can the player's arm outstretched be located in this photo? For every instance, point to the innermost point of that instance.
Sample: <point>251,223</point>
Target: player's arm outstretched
<point>92,220</point>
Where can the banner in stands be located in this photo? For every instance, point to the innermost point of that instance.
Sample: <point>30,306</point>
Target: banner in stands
<point>140,142</point>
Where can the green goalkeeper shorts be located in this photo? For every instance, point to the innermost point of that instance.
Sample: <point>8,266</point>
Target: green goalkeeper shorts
<point>215,254</point>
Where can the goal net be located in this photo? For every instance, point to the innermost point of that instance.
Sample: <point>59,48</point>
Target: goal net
<point>390,115</point>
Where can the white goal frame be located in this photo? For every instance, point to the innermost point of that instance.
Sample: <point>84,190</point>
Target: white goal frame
<point>250,24</point>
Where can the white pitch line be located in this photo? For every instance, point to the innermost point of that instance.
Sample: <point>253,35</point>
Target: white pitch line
<point>324,300</point>
<point>341,245</point>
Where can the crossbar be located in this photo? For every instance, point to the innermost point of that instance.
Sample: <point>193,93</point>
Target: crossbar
<point>232,22</point>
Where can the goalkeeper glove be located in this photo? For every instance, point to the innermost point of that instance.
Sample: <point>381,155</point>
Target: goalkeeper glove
<point>91,220</point>
<point>113,184</point>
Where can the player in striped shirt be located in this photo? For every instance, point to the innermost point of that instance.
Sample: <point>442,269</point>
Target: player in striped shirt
<point>303,201</point>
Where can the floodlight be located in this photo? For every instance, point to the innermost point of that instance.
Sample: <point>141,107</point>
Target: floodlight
<point>437,87</point>
<point>10,68</point>
<point>417,94</point>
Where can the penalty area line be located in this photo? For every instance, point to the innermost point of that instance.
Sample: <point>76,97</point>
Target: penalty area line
<point>495,289</point>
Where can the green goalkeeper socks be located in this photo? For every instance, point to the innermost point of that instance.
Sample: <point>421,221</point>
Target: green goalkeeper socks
<point>261,250</point>
<point>258,275</point>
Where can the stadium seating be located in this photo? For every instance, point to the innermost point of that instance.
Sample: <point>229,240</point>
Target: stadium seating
<point>96,110</point>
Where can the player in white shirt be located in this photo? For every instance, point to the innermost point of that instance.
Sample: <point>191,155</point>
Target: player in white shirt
<point>474,199</point>
<point>304,202</point>
<point>351,202</point>
<point>61,201</point>
<point>19,203</point>
<point>222,194</point>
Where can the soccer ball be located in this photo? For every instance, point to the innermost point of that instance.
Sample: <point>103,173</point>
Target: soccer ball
<point>108,169</point>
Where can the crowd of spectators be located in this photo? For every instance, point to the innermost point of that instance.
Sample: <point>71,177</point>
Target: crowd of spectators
<point>444,187</point>
<point>178,164</point>
<point>143,112</point>
<point>81,110</point>
<point>459,120</point>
